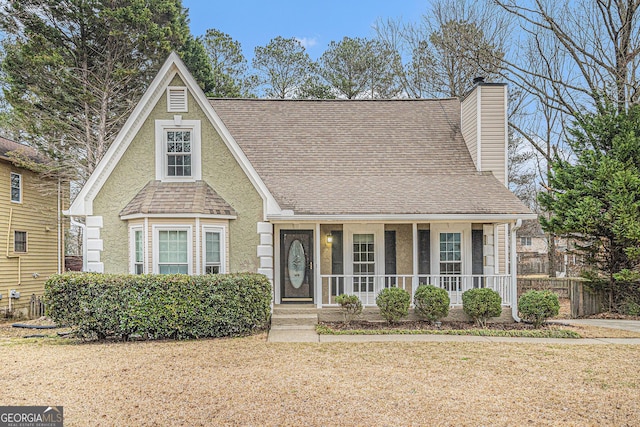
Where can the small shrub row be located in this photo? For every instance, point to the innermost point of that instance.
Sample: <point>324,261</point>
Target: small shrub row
<point>159,306</point>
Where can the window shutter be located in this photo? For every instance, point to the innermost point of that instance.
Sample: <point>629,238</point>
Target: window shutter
<point>177,99</point>
<point>337,263</point>
<point>424,252</point>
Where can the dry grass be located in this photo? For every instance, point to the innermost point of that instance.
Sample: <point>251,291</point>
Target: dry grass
<point>249,382</point>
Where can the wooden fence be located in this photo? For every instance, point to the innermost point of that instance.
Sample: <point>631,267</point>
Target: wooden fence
<point>36,307</point>
<point>584,301</point>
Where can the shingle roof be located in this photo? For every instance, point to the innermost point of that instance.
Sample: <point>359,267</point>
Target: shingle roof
<point>177,197</point>
<point>6,146</point>
<point>364,157</point>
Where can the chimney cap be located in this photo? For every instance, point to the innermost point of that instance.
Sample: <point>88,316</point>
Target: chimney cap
<point>478,80</point>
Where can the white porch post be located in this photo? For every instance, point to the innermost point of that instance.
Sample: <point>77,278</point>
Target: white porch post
<point>317,262</point>
<point>414,280</point>
<point>513,265</point>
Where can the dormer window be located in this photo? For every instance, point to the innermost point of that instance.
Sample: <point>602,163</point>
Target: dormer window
<point>178,150</point>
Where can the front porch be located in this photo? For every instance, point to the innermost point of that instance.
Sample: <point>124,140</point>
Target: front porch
<point>315,262</point>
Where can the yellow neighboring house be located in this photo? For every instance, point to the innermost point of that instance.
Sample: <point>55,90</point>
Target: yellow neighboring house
<point>31,230</point>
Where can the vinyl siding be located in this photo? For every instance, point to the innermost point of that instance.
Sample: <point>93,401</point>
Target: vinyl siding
<point>493,130</point>
<point>470,124</point>
<point>36,215</point>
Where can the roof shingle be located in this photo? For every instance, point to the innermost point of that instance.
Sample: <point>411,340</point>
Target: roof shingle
<point>176,198</point>
<point>364,157</point>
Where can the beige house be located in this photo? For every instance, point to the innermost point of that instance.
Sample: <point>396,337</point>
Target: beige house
<point>30,229</point>
<point>322,196</point>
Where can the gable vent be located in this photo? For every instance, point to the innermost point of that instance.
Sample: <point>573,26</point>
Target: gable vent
<point>177,99</point>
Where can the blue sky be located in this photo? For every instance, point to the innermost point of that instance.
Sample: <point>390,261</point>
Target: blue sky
<point>315,22</point>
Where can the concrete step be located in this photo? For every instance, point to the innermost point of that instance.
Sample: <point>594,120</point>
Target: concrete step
<point>293,328</point>
<point>295,309</point>
<point>308,319</point>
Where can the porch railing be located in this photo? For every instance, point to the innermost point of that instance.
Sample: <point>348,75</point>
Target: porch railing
<point>368,287</point>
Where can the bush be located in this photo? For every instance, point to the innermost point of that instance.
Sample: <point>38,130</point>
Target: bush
<point>159,306</point>
<point>537,306</point>
<point>481,305</point>
<point>431,303</point>
<point>393,304</point>
<point>351,307</point>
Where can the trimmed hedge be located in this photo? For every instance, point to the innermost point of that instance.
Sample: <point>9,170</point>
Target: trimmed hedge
<point>537,306</point>
<point>174,306</point>
<point>393,304</point>
<point>481,304</point>
<point>431,303</point>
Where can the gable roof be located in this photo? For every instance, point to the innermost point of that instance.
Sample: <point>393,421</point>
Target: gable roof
<point>194,198</point>
<point>370,157</point>
<point>7,146</point>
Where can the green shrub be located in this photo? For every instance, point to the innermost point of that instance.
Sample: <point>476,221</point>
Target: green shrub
<point>351,307</point>
<point>481,305</point>
<point>393,304</point>
<point>159,306</point>
<point>431,303</point>
<point>537,306</point>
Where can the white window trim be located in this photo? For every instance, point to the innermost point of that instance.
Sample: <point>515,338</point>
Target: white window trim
<point>465,245</point>
<point>378,241</point>
<point>11,187</point>
<point>162,126</point>
<point>156,244</point>
<point>186,99</point>
<point>223,246</point>
<point>132,249</point>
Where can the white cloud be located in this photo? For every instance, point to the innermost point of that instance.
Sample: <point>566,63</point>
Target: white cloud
<point>307,42</point>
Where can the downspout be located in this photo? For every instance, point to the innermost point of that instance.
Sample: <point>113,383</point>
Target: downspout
<point>60,245</point>
<point>84,241</point>
<point>12,256</point>
<point>514,271</point>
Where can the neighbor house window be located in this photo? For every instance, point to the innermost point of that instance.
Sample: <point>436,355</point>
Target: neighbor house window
<point>363,262</point>
<point>173,251</point>
<point>213,250</point>
<point>20,241</point>
<point>178,151</point>
<point>137,250</point>
<point>16,187</point>
<point>525,241</point>
<point>450,260</point>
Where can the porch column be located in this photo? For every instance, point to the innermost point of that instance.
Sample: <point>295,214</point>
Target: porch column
<point>94,246</point>
<point>265,249</point>
<point>414,279</point>
<point>317,264</point>
<point>513,265</point>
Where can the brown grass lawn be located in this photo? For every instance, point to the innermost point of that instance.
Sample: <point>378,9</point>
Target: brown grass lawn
<point>247,381</point>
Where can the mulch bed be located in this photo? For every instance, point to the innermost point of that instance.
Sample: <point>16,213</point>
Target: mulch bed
<point>422,325</point>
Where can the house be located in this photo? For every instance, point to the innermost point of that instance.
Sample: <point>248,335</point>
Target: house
<point>532,249</point>
<point>31,229</point>
<point>322,196</point>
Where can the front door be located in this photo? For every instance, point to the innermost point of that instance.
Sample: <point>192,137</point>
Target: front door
<point>296,266</point>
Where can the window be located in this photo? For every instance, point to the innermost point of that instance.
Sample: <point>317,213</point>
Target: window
<point>137,250</point>
<point>20,241</point>
<point>178,149</point>
<point>450,260</point>
<point>213,250</point>
<point>173,251</point>
<point>16,187</point>
<point>525,241</point>
<point>363,262</point>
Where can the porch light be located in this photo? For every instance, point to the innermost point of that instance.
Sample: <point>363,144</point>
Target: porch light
<point>329,238</point>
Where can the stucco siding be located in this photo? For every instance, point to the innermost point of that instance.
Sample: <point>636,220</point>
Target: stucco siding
<point>219,169</point>
<point>493,118</point>
<point>37,216</point>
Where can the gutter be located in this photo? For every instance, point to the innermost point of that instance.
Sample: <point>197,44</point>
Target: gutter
<point>514,272</point>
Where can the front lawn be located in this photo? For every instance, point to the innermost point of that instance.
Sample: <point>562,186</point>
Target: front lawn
<point>246,381</point>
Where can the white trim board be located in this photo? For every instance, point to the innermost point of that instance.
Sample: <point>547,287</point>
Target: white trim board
<point>83,203</point>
